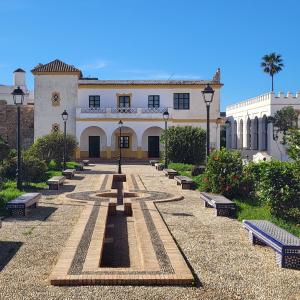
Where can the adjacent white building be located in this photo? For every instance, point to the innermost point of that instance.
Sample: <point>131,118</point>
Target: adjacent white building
<point>248,129</point>
<point>19,79</point>
<point>96,106</point>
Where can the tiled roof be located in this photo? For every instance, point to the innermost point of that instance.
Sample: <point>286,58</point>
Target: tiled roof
<point>55,66</point>
<point>146,82</point>
<point>19,70</point>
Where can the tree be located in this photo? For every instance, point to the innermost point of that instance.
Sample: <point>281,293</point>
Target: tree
<point>284,120</point>
<point>272,64</point>
<point>51,146</point>
<point>293,141</point>
<point>186,144</point>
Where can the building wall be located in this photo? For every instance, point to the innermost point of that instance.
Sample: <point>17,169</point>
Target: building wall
<point>45,114</point>
<point>258,107</point>
<point>8,124</point>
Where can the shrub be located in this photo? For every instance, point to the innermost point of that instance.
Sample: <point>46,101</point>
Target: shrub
<point>186,144</point>
<point>33,170</point>
<point>293,141</point>
<point>223,173</point>
<point>51,146</point>
<point>4,149</point>
<point>279,187</point>
<point>197,170</point>
<point>8,168</point>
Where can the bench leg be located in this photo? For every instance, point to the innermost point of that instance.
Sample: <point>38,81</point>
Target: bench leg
<point>254,240</point>
<point>185,186</point>
<point>206,204</point>
<point>288,261</point>
<point>18,212</point>
<point>53,186</point>
<point>222,212</point>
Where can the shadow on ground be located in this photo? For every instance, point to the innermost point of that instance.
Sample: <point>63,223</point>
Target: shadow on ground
<point>40,213</point>
<point>8,250</point>
<point>62,189</point>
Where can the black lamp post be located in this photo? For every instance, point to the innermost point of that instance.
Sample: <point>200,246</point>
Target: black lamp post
<point>64,116</point>
<point>166,116</point>
<point>18,96</point>
<point>208,95</point>
<point>120,151</point>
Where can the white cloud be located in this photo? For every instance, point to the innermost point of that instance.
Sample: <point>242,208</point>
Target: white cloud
<point>98,64</point>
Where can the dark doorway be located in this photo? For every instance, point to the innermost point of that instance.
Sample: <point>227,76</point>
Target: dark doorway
<point>94,146</point>
<point>153,146</point>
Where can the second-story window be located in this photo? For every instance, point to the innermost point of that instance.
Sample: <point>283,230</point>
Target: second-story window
<point>153,101</point>
<point>124,101</point>
<point>181,101</point>
<point>94,101</point>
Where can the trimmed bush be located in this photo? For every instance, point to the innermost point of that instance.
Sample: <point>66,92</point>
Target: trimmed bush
<point>279,187</point>
<point>186,144</point>
<point>223,174</point>
<point>33,170</point>
<point>51,147</point>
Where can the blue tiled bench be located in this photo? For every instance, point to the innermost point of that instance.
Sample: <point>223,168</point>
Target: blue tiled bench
<point>185,182</point>
<point>286,245</point>
<point>20,205</point>
<point>223,206</point>
<point>170,173</point>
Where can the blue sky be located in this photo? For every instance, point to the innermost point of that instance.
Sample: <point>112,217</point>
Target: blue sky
<point>139,39</point>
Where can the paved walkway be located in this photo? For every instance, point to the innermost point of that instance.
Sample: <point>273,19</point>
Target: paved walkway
<point>217,248</point>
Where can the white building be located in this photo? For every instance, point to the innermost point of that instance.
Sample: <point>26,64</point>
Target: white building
<point>96,106</point>
<point>19,79</point>
<point>248,129</point>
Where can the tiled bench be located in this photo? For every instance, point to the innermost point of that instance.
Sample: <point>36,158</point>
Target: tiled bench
<point>69,173</point>
<point>79,167</point>
<point>159,166</point>
<point>20,206</point>
<point>223,206</point>
<point>170,173</point>
<point>153,162</point>
<point>185,182</point>
<point>55,182</point>
<point>85,162</point>
<point>286,245</point>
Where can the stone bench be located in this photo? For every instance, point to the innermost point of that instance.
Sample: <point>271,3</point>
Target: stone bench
<point>153,162</point>
<point>185,182</point>
<point>69,173</point>
<point>128,207</point>
<point>20,205</point>
<point>56,181</point>
<point>112,206</point>
<point>286,245</point>
<point>170,173</point>
<point>85,162</point>
<point>159,166</point>
<point>223,206</point>
<point>79,167</point>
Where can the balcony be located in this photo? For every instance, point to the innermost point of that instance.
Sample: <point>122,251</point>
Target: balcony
<point>117,112</point>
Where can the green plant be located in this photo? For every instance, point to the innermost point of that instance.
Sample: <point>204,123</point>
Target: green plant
<point>186,144</point>
<point>279,187</point>
<point>4,149</point>
<point>223,173</point>
<point>51,147</point>
<point>293,141</point>
<point>179,167</point>
<point>33,169</point>
<point>272,64</point>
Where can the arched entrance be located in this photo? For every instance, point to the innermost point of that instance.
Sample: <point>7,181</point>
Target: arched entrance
<point>151,145</point>
<point>93,142</point>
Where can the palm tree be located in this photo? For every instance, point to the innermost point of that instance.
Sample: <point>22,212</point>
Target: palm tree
<point>272,64</point>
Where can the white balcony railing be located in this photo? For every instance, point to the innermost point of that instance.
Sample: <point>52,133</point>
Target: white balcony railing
<point>114,111</point>
<point>93,110</point>
<point>124,110</point>
<point>154,110</point>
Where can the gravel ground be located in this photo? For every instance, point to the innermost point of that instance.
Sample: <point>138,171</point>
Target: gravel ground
<point>217,248</point>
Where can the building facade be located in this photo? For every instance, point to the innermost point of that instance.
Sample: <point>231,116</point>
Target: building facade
<point>248,128</point>
<point>95,108</point>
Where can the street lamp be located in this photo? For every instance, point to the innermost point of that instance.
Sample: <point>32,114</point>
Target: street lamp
<point>18,96</point>
<point>120,151</point>
<point>208,95</point>
<point>166,116</point>
<point>65,116</point>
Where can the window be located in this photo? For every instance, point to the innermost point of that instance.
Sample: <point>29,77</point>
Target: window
<point>124,141</point>
<point>124,101</point>
<point>94,101</point>
<point>181,101</point>
<point>153,101</point>
<point>55,127</point>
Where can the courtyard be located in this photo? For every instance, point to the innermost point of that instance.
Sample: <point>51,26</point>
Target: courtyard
<point>216,249</point>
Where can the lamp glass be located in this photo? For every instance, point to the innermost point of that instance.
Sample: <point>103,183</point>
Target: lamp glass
<point>18,96</point>
<point>65,115</point>
<point>166,115</point>
<point>208,94</point>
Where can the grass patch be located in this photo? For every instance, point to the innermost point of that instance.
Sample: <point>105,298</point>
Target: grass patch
<point>251,209</point>
<point>179,167</point>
